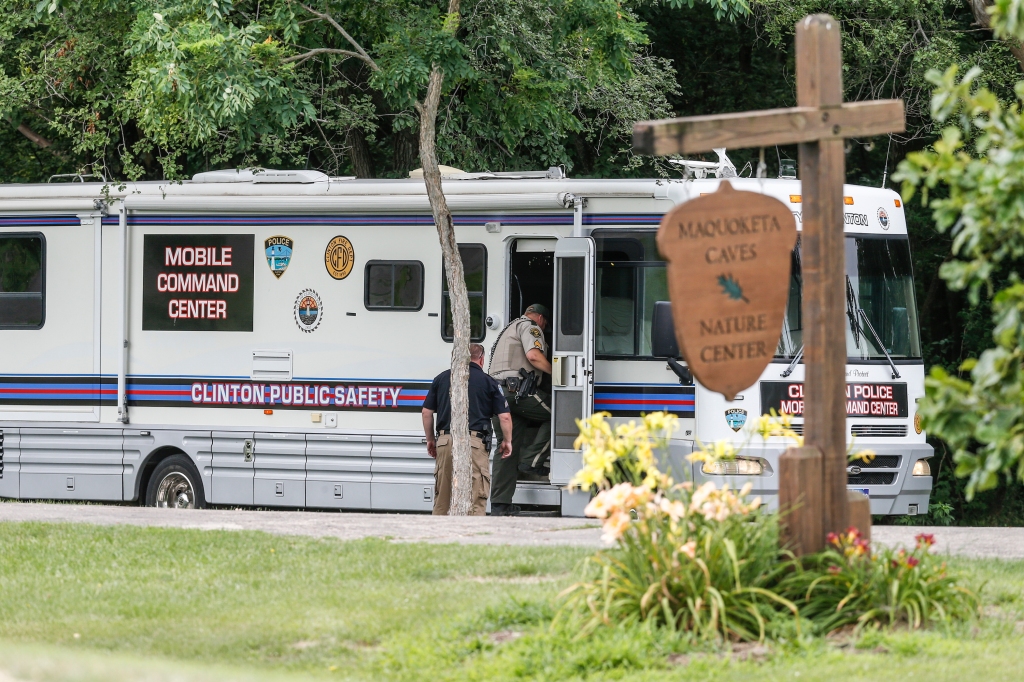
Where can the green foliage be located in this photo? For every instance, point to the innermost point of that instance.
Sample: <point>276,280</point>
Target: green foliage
<point>721,576</point>
<point>195,74</point>
<point>704,563</point>
<point>848,584</point>
<point>890,45</point>
<point>163,604</point>
<point>157,89</point>
<point>690,573</point>
<point>722,9</point>
<point>980,206</point>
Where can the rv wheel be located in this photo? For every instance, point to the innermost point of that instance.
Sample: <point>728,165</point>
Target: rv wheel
<point>175,484</point>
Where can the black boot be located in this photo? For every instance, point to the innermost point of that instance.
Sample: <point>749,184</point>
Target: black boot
<point>498,509</point>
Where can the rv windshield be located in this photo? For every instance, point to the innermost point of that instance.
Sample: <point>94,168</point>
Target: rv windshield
<point>879,282</point>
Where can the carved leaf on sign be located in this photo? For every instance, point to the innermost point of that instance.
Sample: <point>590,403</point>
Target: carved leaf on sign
<point>728,256</point>
<point>732,288</point>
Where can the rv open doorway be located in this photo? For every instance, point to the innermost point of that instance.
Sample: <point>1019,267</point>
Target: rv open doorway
<point>531,275</point>
<point>532,280</point>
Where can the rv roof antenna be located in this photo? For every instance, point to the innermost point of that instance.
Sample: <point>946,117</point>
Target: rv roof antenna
<point>885,171</point>
<point>723,168</point>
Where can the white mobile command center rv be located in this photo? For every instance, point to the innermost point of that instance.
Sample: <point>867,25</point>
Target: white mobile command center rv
<point>267,339</point>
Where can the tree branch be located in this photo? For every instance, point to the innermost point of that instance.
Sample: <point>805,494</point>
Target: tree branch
<point>34,136</point>
<point>319,50</point>
<point>979,8</point>
<point>359,48</point>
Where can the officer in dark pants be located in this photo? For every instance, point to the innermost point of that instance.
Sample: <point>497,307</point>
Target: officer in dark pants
<point>522,346</point>
<point>485,401</point>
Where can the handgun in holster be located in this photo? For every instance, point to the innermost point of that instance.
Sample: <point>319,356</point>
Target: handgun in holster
<point>527,384</point>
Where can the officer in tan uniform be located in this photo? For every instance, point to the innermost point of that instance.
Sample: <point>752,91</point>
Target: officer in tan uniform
<point>522,346</point>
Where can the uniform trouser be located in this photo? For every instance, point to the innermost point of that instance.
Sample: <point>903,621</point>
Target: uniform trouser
<point>531,438</point>
<point>443,476</point>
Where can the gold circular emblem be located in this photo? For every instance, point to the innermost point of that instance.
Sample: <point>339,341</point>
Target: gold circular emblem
<point>917,423</point>
<point>535,332</point>
<point>339,257</point>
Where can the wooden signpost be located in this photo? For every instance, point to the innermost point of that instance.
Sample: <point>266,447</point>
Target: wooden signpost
<point>812,485</point>
<point>728,259</point>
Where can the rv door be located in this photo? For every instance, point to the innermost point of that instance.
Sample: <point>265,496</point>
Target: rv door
<point>572,351</point>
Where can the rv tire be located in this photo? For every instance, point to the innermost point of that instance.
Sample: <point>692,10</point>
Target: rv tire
<point>175,484</point>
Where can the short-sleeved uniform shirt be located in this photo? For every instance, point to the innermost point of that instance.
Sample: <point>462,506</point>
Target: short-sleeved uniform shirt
<point>510,350</point>
<point>532,336</point>
<point>485,399</point>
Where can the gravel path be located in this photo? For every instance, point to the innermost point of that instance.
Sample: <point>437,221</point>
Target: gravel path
<point>1001,543</point>
<point>471,530</point>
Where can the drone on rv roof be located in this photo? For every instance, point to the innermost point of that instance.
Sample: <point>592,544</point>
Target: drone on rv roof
<point>698,170</point>
<point>724,168</point>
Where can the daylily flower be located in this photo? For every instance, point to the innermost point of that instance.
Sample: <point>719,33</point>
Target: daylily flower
<point>925,539</point>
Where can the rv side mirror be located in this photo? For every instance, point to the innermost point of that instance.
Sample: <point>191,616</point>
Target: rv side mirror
<point>663,341</point>
<point>663,332</point>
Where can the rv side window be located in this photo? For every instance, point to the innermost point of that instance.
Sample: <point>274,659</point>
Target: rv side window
<point>631,278</point>
<point>22,276</point>
<point>393,285</point>
<point>474,265</point>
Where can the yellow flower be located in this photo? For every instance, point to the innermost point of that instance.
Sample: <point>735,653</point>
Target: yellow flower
<point>865,456</point>
<point>630,446</point>
<point>777,425</point>
<point>720,450</point>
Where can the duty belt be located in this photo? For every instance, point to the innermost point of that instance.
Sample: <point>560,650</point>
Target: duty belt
<point>482,435</point>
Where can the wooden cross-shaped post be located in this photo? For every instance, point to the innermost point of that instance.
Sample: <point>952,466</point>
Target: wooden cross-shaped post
<point>819,123</point>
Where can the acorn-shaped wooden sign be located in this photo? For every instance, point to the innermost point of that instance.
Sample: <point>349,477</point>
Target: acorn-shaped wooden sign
<point>728,256</point>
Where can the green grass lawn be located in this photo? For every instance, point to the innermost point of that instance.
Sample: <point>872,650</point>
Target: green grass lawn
<point>106,603</point>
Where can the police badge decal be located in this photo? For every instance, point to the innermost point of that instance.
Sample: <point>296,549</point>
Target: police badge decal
<point>279,253</point>
<point>309,310</point>
<point>736,418</point>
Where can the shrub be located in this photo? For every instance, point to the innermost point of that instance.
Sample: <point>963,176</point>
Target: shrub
<point>690,559</point>
<point>695,560</point>
<point>848,583</point>
<point>706,561</point>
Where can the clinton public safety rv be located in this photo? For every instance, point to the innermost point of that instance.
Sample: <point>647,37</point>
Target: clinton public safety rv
<point>267,338</point>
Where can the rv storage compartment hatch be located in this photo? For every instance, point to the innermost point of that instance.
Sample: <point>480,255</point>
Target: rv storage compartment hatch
<point>271,365</point>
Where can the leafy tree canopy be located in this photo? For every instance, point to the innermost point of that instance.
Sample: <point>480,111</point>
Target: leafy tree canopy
<point>973,180</point>
<point>153,89</point>
<point>890,45</point>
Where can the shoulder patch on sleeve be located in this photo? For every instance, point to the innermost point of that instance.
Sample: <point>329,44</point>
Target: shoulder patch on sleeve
<point>535,331</point>
<point>538,344</point>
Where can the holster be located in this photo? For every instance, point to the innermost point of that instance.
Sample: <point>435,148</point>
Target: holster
<point>527,384</point>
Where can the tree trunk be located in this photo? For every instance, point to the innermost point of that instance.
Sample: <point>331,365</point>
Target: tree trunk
<point>359,152</point>
<point>462,467</point>
<point>981,17</point>
<point>404,145</point>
